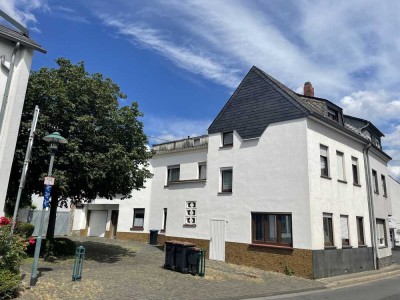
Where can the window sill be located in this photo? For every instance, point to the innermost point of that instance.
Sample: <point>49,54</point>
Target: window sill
<point>382,247</point>
<point>362,246</point>
<point>385,196</point>
<point>330,248</point>
<point>326,177</point>
<point>376,193</point>
<point>162,231</point>
<point>342,181</point>
<point>226,146</point>
<point>347,247</point>
<point>189,225</point>
<point>271,246</point>
<point>356,184</point>
<point>224,193</point>
<point>137,228</point>
<point>185,181</point>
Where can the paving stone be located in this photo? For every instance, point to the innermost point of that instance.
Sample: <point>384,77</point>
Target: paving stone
<point>119,269</point>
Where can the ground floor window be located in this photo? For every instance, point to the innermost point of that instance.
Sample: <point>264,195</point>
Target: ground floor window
<point>272,228</point>
<point>138,218</point>
<point>381,232</point>
<point>360,231</point>
<point>344,223</point>
<point>164,225</point>
<point>328,230</point>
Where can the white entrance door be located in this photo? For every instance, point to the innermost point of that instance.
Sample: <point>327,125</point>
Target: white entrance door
<point>217,240</point>
<point>97,223</point>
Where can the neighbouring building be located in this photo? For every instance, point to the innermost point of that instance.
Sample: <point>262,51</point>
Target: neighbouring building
<point>394,218</point>
<point>16,51</point>
<point>281,181</point>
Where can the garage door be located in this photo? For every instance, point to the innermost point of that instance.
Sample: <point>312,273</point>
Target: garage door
<point>97,223</point>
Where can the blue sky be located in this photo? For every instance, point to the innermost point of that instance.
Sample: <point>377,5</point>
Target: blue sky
<point>181,60</point>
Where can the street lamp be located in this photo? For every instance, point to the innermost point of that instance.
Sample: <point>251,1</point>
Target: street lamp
<point>55,139</point>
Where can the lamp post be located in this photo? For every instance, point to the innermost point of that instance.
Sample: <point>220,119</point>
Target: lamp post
<point>55,139</point>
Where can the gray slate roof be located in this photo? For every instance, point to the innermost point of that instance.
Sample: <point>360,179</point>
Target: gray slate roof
<point>17,36</point>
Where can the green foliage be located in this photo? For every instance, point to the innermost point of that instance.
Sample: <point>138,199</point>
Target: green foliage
<point>24,229</point>
<point>9,284</point>
<point>106,152</point>
<point>289,271</point>
<point>57,247</point>
<point>12,249</point>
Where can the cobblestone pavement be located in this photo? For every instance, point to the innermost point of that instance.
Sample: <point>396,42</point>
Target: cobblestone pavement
<point>115,269</point>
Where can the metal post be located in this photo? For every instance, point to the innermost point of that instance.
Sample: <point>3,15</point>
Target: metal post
<point>40,231</point>
<point>25,167</point>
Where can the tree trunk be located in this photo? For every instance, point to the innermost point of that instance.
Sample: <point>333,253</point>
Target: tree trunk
<point>53,212</point>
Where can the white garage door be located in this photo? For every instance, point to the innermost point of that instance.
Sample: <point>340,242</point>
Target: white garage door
<point>97,223</point>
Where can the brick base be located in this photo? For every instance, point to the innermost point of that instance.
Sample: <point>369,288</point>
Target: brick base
<point>83,232</point>
<point>133,236</point>
<point>270,259</point>
<point>384,261</point>
<point>203,244</point>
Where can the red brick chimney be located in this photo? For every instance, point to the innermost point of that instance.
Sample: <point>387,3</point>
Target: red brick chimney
<point>308,89</point>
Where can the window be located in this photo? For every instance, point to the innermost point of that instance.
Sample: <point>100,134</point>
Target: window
<point>375,181</point>
<point>273,229</point>
<point>173,173</point>
<point>384,185</point>
<point>381,232</point>
<point>328,230</point>
<point>227,138</point>
<point>191,213</point>
<point>344,224</point>
<point>138,218</point>
<point>340,166</point>
<point>354,166</point>
<point>360,231</point>
<point>333,115</point>
<point>196,142</point>
<point>324,160</point>
<point>226,179</point>
<point>164,225</point>
<point>202,171</point>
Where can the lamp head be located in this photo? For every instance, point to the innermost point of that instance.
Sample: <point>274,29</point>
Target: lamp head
<point>55,139</point>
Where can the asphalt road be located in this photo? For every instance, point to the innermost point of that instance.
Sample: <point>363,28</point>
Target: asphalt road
<point>385,289</point>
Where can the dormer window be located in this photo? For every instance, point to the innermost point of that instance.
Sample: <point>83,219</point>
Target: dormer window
<point>333,115</point>
<point>227,139</point>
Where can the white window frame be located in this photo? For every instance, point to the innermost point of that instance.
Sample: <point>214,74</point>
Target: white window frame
<point>344,230</point>
<point>381,230</point>
<point>223,139</point>
<point>343,175</point>
<point>169,170</point>
<point>221,179</point>
<point>354,162</point>
<point>321,148</point>
<point>202,164</point>
<point>135,211</point>
<point>190,213</point>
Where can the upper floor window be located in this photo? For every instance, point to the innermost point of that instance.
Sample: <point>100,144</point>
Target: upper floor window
<point>202,171</point>
<point>173,173</point>
<point>375,181</point>
<point>333,115</point>
<point>227,138</point>
<point>324,161</point>
<point>354,167</point>
<point>272,228</point>
<point>384,185</point>
<point>226,180</point>
<point>340,166</point>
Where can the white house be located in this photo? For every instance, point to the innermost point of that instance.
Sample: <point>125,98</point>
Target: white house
<point>16,51</point>
<point>281,181</point>
<point>394,219</point>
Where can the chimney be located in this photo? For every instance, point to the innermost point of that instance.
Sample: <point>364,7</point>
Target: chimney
<point>308,89</point>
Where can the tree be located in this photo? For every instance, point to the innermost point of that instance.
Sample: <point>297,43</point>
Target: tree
<point>106,154</point>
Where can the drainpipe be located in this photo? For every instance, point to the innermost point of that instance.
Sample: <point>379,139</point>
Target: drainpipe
<point>8,84</point>
<point>370,203</point>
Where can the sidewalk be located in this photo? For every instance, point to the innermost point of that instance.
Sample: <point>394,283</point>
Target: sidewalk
<point>115,269</point>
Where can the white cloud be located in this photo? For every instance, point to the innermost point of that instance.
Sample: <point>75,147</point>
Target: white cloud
<point>183,56</point>
<point>379,107</point>
<point>168,129</point>
<point>394,171</point>
<point>23,10</point>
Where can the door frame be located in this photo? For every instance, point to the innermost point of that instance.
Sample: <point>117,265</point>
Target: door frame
<point>224,242</point>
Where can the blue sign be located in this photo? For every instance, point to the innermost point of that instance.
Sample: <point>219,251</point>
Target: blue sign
<point>47,193</point>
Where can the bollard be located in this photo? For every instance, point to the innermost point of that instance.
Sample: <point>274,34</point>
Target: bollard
<point>79,256</point>
<point>202,267</point>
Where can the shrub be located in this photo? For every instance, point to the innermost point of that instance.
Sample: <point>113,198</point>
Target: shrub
<point>57,247</point>
<point>289,271</point>
<point>24,229</point>
<point>9,284</point>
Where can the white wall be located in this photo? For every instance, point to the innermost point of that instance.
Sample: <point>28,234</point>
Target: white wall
<point>9,134</point>
<point>394,192</point>
<point>331,196</point>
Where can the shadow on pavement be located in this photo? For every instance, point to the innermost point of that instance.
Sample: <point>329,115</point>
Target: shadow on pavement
<point>104,253</point>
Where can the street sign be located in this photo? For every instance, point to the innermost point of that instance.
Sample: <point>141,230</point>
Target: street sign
<point>47,193</point>
<point>48,180</point>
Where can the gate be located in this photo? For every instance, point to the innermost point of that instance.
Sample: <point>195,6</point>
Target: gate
<point>62,222</point>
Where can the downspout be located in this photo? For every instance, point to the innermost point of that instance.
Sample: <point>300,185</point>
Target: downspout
<point>8,84</point>
<point>370,203</point>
